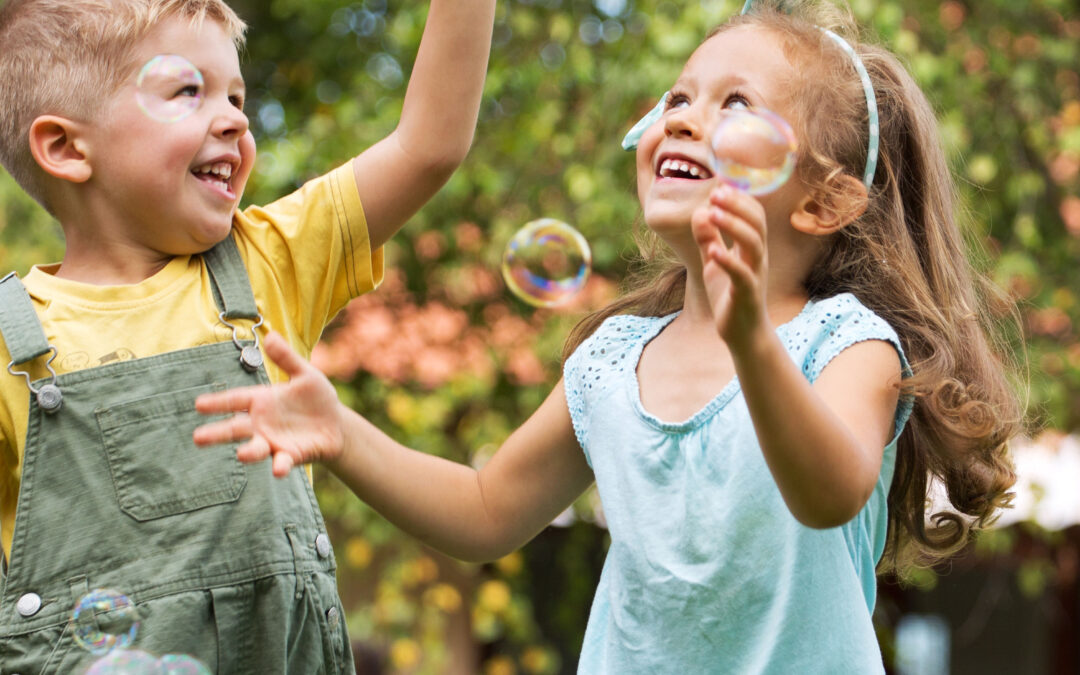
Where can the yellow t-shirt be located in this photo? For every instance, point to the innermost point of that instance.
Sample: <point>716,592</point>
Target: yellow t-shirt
<point>306,255</point>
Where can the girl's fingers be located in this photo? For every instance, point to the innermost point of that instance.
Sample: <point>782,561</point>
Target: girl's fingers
<point>281,352</point>
<point>741,274</point>
<point>741,205</point>
<point>236,428</point>
<point>742,234</point>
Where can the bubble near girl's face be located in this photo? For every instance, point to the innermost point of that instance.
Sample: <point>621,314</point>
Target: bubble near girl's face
<point>104,620</point>
<point>546,262</point>
<point>169,88</point>
<point>753,149</point>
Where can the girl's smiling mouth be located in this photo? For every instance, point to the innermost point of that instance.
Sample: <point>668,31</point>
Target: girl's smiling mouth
<point>682,168</point>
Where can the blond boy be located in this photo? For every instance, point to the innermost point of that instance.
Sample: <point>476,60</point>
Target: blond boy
<point>164,291</point>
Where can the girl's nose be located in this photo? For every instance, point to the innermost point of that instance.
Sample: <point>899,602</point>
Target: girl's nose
<point>683,123</point>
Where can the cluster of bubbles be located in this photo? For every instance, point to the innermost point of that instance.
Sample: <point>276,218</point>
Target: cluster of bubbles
<point>105,622</point>
<point>547,261</point>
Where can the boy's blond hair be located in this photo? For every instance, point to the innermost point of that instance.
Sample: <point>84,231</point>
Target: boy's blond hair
<point>65,57</point>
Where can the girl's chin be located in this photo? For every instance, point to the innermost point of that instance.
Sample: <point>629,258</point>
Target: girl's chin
<point>667,220</point>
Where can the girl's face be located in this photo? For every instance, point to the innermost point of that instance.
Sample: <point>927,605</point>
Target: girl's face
<point>739,67</point>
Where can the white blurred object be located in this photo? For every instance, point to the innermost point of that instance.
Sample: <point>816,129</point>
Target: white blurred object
<point>1047,482</point>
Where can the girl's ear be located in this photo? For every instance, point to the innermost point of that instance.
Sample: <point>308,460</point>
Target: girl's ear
<point>59,149</point>
<point>826,213</point>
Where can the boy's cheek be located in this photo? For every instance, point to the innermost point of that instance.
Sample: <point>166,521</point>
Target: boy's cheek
<point>247,160</point>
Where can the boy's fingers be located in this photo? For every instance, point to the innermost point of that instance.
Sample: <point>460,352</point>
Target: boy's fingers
<point>281,352</point>
<point>230,400</point>
<point>255,450</point>
<point>282,464</point>
<point>235,428</point>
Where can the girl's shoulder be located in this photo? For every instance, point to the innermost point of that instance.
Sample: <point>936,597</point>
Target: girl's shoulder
<point>604,362</point>
<point>827,326</point>
<point>619,335</point>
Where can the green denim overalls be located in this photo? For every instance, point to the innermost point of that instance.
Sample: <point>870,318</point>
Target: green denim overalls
<point>223,561</point>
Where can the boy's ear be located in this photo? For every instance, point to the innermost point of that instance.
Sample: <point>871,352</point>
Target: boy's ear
<point>826,213</point>
<point>59,148</point>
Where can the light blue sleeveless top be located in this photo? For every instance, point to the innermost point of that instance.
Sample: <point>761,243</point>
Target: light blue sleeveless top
<point>708,571</point>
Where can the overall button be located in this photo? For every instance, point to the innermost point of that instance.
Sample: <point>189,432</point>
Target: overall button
<point>251,358</point>
<point>28,605</point>
<point>333,616</point>
<point>322,545</point>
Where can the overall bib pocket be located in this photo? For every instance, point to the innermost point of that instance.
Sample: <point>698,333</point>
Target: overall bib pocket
<point>153,474</point>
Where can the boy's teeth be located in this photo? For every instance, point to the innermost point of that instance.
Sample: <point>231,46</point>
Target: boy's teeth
<point>222,169</point>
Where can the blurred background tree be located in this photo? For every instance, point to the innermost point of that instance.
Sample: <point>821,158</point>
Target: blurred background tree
<point>444,359</point>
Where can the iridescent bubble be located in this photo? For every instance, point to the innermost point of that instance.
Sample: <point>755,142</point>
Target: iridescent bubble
<point>125,662</point>
<point>753,149</point>
<point>546,262</point>
<point>103,620</point>
<point>182,664</point>
<point>169,88</point>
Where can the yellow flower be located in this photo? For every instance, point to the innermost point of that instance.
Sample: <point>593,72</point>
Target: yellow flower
<point>537,660</point>
<point>358,553</point>
<point>499,665</point>
<point>510,564</point>
<point>404,653</point>
<point>494,596</point>
<point>444,596</point>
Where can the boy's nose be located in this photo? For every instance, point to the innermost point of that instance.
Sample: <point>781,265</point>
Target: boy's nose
<point>230,121</point>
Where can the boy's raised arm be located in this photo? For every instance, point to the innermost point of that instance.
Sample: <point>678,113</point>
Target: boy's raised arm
<point>400,173</point>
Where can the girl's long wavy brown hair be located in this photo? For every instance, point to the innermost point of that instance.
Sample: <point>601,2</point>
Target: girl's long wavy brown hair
<point>905,259</point>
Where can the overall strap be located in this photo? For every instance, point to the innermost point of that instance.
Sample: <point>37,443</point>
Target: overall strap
<point>232,290</point>
<point>19,323</point>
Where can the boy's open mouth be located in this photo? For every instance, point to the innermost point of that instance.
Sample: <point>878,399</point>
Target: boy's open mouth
<point>216,173</point>
<point>680,167</point>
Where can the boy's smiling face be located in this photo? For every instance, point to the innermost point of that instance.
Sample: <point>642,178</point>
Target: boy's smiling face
<point>170,188</point>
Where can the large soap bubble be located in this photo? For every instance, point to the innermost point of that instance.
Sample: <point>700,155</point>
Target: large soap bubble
<point>753,149</point>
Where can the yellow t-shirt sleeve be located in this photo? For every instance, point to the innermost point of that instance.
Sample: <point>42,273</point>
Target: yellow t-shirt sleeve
<point>308,254</point>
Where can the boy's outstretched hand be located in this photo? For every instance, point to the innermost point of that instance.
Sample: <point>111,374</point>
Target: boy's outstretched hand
<point>295,422</point>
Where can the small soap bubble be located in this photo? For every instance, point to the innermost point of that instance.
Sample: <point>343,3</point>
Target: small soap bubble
<point>169,88</point>
<point>125,662</point>
<point>103,620</point>
<point>182,664</point>
<point>753,149</point>
<point>546,262</point>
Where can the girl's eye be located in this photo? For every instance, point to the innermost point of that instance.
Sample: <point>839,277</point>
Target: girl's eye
<point>736,102</point>
<point>677,101</point>
<point>237,101</point>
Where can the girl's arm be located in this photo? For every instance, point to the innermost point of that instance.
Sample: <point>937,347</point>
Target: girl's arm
<point>823,442</point>
<point>469,514</point>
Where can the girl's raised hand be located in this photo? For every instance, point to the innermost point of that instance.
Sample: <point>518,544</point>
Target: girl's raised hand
<point>734,272</point>
<point>295,422</point>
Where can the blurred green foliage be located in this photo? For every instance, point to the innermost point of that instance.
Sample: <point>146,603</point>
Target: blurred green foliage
<point>567,79</point>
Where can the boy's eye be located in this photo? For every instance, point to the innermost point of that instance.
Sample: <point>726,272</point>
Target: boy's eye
<point>237,101</point>
<point>189,90</point>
